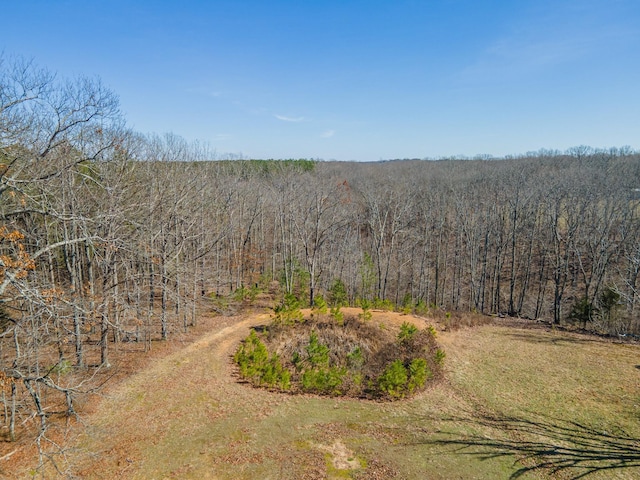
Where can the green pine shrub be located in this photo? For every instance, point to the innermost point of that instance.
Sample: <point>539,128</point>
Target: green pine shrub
<point>326,380</point>
<point>386,305</point>
<point>260,368</point>
<point>407,331</point>
<point>319,305</point>
<point>288,311</point>
<point>399,380</point>
<point>438,356</point>
<point>318,354</point>
<point>337,315</point>
<point>338,294</point>
<point>419,373</point>
<point>393,380</point>
<point>365,305</point>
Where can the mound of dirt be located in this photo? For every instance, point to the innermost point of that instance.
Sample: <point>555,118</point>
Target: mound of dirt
<point>354,357</point>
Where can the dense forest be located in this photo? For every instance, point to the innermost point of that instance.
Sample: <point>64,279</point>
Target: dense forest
<point>108,235</point>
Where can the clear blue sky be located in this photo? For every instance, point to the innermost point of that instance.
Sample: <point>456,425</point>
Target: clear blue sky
<point>352,80</point>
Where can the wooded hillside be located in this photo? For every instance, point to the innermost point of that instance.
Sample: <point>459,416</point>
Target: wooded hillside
<point>107,235</point>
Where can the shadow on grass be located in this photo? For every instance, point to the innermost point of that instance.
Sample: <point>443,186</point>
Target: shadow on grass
<point>552,445</point>
<point>546,337</point>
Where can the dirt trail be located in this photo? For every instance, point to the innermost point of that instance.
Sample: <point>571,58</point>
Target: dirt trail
<point>145,407</point>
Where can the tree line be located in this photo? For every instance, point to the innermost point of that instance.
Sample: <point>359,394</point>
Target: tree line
<point>108,235</point>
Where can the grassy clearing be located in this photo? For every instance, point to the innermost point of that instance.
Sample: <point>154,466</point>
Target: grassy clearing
<point>567,402</point>
<point>525,403</point>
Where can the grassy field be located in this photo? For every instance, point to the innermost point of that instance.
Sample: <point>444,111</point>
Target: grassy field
<point>516,403</point>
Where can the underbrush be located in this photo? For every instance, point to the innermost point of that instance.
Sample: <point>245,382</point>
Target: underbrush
<point>455,320</point>
<point>353,357</point>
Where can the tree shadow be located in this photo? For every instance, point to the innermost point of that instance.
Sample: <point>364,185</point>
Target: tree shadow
<point>553,445</point>
<point>544,337</point>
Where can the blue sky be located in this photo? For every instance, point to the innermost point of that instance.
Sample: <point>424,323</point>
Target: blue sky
<point>353,80</point>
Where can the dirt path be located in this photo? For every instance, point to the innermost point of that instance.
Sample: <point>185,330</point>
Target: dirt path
<point>191,386</point>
